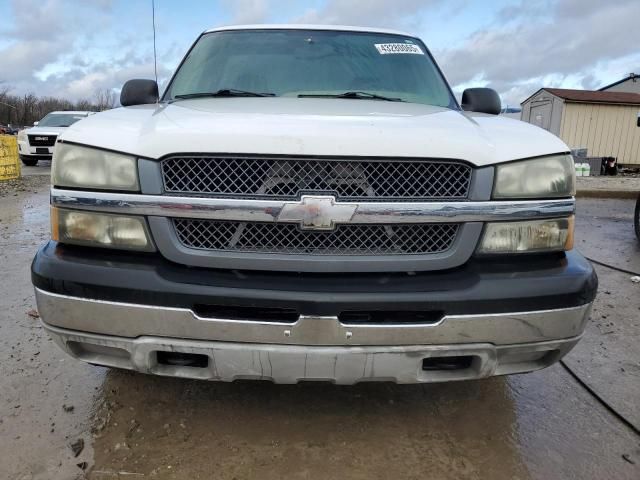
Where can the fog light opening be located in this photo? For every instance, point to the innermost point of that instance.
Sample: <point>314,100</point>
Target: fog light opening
<point>462,362</point>
<point>181,359</point>
<point>100,354</point>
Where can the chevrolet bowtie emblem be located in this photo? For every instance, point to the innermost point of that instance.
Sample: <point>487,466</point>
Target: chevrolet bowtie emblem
<point>317,213</point>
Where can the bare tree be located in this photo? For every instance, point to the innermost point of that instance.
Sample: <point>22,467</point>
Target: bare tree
<point>85,105</point>
<point>23,110</point>
<point>27,109</point>
<point>7,109</point>
<point>104,99</point>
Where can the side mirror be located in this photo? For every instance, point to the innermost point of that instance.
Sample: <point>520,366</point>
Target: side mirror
<point>482,100</point>
<point>35,124</point>
<point>139,92</point>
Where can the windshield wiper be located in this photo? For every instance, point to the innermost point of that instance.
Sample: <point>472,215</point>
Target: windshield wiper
<point>354,95</point>
<point>225,92</point>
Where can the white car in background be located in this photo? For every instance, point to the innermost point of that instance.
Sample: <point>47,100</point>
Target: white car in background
<point>37,142</point>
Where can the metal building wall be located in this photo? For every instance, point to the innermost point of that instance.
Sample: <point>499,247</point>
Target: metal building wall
<point>606,130</point>
<point>631,85</point>
<point>543,110</point>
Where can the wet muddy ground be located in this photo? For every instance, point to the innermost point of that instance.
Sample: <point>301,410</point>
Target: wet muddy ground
<point>541,425</point>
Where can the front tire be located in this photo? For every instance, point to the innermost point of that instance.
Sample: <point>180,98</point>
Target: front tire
<point>29,162</point>
<point>636,218</point>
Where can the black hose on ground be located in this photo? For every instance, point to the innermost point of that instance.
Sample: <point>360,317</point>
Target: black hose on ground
<point>591,391</point>
<point>612,267</point>
<point>600,400</point>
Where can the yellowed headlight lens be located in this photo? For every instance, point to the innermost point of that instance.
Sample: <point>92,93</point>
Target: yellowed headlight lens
<point>83,167</point>
<point>547,177</point>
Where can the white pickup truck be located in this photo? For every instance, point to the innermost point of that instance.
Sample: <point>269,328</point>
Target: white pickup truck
<point>312,203</point>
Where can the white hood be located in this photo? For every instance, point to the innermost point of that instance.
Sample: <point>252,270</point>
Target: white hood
<point>323,127</point>
<point>45,130</point>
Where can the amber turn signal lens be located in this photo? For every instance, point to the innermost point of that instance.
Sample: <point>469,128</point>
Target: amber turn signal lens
<point>55,229</point>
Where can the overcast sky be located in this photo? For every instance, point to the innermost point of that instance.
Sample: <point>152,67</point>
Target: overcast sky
<point>72,48</point>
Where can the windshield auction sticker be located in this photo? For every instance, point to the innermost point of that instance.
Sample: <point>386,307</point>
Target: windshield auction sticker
<point>398,48</point>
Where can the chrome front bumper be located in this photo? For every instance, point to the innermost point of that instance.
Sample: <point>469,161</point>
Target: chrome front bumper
<point>313,348</point>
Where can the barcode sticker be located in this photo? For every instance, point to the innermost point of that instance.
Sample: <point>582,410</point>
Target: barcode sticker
<point>398,48</point>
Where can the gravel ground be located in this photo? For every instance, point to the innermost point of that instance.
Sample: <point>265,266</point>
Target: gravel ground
<point>12,188</point>
<point>63,419</point>
<point>619,183</point>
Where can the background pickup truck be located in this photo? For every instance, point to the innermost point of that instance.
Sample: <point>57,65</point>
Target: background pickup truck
<point>312,203</point>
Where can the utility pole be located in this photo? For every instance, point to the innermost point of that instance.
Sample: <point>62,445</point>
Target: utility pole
<point>9,113</point>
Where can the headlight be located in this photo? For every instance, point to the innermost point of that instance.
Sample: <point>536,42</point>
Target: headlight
<point>82,167</point>
<point>524,237</point>
<point>548,177</point>
<point>100,230</point>
<point>22,136</point>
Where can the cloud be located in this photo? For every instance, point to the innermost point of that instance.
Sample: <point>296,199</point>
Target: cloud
<point>30,46</point>
<point>367,13</point>
<point>81,84</point>
<point>247,11</point>
<point>574,38</point>
<point>42,33</point>
<point>71,47</point>
<point>21,60</point>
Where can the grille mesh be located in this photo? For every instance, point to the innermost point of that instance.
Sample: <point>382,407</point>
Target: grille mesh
<point>289,239</point>
<point>286,179</point>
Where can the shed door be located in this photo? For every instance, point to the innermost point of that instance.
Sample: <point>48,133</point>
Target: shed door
<point>540,115</point>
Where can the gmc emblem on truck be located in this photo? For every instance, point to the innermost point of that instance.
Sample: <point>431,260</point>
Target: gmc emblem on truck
<point>41,139</point>
<point>317,213</point>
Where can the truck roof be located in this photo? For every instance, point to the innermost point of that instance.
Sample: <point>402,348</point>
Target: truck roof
<point>297,26</point>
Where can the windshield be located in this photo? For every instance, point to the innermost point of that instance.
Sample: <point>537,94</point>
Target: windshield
<point>291,63</point>
<point>60,120</point>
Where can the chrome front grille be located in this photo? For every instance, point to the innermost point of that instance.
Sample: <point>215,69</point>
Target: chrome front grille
<point>346,179</point>
<point>286,238</point>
